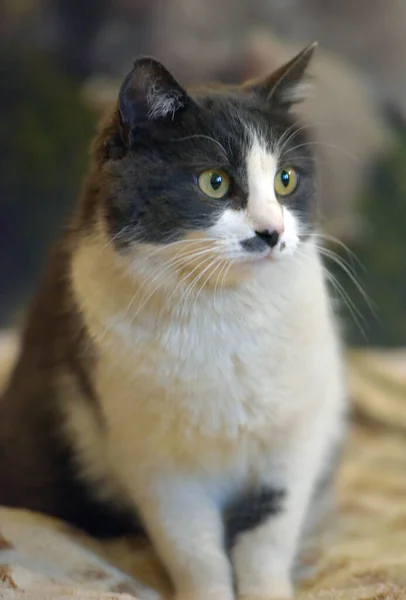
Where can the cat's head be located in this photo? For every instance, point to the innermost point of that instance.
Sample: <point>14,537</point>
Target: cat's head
<point>205,181</point>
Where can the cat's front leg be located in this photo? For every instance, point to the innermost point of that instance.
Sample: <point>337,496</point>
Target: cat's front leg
<point>186,528</point>
<point>262,557</point>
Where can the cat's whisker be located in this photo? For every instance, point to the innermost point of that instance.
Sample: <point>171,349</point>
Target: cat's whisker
<point>184,278</point>
<point>189,254</point>
<point>336,240</point>
<point>318,160</point>
<point>201,136</point>
<point>293,130</point>
<point>355,313</point>
<point>225,262</point>
<point>339,261</point>
<point>161,268</point>
<point>116,236</point>
<point>345,294</point>
<point>353,310</point>
<point>231,263</point>
<point>177,260</point>
<point>326,145</point>
<point>333,255</point>
<point>212,268</point>
<point>211,274</point>
<point>184,252</point>
<point>287,134</point>
<point>185,242</point>
<point>185,296</point>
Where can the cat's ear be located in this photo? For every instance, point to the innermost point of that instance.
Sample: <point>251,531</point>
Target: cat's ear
<point>287,85</point>
<point>148,96</point>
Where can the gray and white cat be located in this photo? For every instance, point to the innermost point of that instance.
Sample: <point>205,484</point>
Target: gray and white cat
<point>181,370</point>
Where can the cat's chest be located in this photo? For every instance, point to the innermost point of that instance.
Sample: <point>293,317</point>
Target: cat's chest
<point>206,351</point>
<point>213,371</point>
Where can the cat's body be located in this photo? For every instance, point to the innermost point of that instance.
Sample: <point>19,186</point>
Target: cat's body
<point>191,358</point>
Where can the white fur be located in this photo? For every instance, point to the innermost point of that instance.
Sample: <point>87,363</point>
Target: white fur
<point>298,93</point>
<point>264,211</point>
<point>205,402</point>
<point>162,103</point>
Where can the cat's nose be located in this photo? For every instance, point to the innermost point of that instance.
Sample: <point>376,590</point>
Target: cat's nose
<point>270,237</point>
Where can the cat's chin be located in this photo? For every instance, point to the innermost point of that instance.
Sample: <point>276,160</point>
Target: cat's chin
<point>244,268</point>
<point>248,264</point>
<point>253,259</point>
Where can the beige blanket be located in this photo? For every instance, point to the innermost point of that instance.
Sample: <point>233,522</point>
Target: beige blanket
<point>361,556</point>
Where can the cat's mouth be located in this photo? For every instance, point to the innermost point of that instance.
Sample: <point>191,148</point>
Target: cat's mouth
<point>260,248</point>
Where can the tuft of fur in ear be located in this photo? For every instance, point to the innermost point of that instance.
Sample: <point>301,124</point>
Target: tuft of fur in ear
<point>286,85</point>
<point>148,95</point>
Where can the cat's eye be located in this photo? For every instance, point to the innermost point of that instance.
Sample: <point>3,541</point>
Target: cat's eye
<point>214,182</point>
<point>286,181</point>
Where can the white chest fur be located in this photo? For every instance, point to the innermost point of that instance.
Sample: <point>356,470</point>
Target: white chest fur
<point>220,387</point>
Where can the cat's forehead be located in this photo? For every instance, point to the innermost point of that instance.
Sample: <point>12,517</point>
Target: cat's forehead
<point>240,119</point>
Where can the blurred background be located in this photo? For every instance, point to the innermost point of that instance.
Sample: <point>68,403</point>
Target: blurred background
<point>61,62</point>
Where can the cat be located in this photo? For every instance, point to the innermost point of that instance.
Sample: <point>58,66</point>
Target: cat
<point>181,370</point>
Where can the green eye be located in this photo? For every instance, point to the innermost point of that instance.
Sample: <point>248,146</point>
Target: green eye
<point>214,182</point>
<point>286,181</point>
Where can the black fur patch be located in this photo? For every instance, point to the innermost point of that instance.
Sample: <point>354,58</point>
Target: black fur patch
<point>249,510</point>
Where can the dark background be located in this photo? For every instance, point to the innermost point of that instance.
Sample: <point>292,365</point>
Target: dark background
<point>61,62</point>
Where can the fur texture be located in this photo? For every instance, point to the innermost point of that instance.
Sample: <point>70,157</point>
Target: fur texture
<point>181,364</point>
